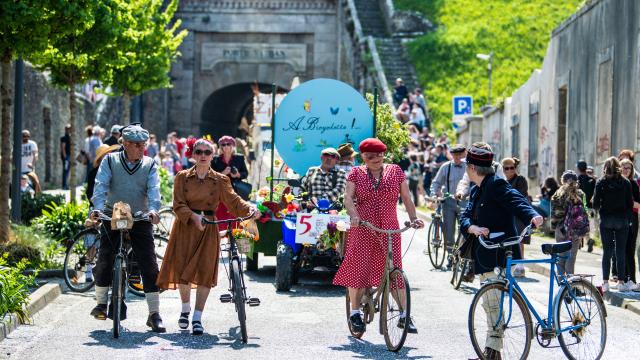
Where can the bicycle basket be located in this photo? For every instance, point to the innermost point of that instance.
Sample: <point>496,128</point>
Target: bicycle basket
<point>243,245</point>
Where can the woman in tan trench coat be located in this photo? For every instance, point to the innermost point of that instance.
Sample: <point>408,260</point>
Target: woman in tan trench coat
<point>193,250</point>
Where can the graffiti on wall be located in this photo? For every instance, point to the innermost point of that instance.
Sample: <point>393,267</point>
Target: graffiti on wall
<point>547,162</point>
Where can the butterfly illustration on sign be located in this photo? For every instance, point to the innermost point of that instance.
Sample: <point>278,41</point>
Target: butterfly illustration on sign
<point>307,105</point>
<point>323,143</point>
<point>299,146</point>
<point>334,111</point>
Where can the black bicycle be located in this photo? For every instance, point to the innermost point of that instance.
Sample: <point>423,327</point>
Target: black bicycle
<point>82,255</point>
<point>237,289</point>
<point>122,267</point>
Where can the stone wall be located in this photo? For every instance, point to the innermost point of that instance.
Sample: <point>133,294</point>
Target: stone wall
<point>46,111</point>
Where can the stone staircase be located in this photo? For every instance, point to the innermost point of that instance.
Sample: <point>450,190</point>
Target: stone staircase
<point>371,18</point>
<point>396,63</point>
<point>393,55</point>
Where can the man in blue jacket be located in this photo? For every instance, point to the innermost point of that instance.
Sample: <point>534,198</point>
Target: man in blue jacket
<point>493,206</point>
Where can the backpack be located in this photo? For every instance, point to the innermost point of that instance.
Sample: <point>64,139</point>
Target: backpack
<point>576,221</point>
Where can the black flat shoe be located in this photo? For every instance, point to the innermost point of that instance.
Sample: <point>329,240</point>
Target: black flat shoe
<point>492,354</point>
<point>99,312</point>
<point>154,321</point>
<point>183,321</point>
<point>356,323</point>
<point>411,329</point>
<point>196,328</point>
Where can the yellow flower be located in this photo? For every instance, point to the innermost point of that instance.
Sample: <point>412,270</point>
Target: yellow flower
<point>289,198</point>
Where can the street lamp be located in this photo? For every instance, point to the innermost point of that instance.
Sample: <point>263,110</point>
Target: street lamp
<point>489,58</point>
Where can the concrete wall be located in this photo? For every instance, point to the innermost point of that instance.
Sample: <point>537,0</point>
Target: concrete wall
<point>594,56</point>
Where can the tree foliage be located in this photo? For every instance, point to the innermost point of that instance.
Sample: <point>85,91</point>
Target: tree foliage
<point>389,130</point>
<point>516,31</point>
<point>141,57</point>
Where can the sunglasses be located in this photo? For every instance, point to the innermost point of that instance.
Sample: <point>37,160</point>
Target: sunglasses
<point>626,168</point>
<point>201,152</point>
<point>333,156</point>
<point>371,156</point>
<point>226,144</point>
<point>507,168</point>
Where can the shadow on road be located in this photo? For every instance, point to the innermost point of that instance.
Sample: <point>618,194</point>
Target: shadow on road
<point>366,350</point>
<point>182,339</point>
<point>317,284</point>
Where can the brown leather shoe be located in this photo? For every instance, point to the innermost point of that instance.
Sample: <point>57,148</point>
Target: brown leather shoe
<point>155,323</point>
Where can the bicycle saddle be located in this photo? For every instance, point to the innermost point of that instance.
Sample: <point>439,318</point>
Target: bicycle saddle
<point>556,248</point>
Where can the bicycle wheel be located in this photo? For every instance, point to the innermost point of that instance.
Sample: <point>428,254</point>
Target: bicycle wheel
<point>585,307</point>
<point>435,244</point>
<point>160,243</point>
<point>134,275</point>
<point>462,268</point>
<point>80,259</point>
<point>117,293</point>
<point>238,297</point>
<point>455,270</point>
<point>355,334</point>
<point>395,293</point>
<point>167,218</point>
<point>513,339</point>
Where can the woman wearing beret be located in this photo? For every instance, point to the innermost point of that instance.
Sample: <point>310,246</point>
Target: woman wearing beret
<point>192,254</point>
<point>493,207</point>
<point>233,166</point>
<point>371,195</point>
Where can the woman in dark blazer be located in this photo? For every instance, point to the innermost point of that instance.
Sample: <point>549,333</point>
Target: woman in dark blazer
<point>493,207</point>
<point>231,164</point>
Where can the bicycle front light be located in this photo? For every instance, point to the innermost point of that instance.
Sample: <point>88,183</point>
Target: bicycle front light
<point>121,224</point>
<point>497,271</point>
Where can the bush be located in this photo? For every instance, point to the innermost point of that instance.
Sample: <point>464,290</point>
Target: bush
<point>64,221</point>
<point>166,186</point>
<point>390,131</point>
<point>27,242</point>
<point>14,289</point>
<point>15,253</point>
<point>32,206</point>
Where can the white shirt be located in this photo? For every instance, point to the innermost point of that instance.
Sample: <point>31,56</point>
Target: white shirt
<point>29,150</point>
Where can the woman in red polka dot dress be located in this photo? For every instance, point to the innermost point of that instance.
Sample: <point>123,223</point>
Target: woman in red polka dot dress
<point>374,187</point>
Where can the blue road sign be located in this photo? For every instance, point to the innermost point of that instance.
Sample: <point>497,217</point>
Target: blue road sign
<point>462,105</point>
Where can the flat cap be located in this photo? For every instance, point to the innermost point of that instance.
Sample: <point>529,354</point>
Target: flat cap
<point>458,148</point>
<point>480,157</point>
<point>330,151</point>
<point>115,129</point>
<point>346,150</point>
<point>135,133</point>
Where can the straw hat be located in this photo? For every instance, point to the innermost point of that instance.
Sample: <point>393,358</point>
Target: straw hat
<point>103,150</point>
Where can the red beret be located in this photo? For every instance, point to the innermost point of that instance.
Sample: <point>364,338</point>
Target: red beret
<point>227,140</point>
<point>372,145</point>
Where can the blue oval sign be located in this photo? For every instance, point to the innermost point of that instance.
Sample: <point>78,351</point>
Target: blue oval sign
<point>318,114</point>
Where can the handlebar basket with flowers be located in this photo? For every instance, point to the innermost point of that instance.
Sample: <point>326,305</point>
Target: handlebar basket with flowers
<point>246,235</point>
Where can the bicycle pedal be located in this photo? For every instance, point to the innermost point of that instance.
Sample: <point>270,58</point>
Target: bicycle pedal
<point>253,302</point>
<point>226,298</point>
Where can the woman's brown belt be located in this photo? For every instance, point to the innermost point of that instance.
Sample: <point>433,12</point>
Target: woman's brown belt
<point>204,212</point>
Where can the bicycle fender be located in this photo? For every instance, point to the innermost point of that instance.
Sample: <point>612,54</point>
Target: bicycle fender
<point>495,281</point>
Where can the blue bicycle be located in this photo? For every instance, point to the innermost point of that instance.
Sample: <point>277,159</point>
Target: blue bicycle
<point>500,323</point>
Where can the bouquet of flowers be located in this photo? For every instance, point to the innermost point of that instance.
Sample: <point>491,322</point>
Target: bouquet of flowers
<point>283,202</point>
<point>245,237</point>
<point>332,236</point>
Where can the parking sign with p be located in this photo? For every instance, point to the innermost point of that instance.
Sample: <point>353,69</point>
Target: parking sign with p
<point>462,105</point>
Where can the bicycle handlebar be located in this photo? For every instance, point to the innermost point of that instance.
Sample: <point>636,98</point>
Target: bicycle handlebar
<point>407,225</point>
<point>440,199</point>
<point>206,221</point>
<point>504,243</point>
<point>141,217</point>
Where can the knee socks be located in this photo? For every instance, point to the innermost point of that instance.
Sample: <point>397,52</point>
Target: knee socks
<point>153,302</point>
<point>102,295</point>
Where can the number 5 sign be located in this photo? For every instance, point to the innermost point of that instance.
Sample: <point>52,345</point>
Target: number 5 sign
<point>310,226</point>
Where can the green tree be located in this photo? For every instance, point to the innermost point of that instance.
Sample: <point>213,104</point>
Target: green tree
<point>25,28</point>
<point>78,56</point>
<point>149,46</point>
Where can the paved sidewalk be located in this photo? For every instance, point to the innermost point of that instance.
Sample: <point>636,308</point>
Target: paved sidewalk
<point>586,263</point>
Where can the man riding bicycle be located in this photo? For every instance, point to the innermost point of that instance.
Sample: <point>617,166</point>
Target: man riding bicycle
<point>130,177</point>
<point>493,206</point>
<point>326,181</point>
<point>447,179</point>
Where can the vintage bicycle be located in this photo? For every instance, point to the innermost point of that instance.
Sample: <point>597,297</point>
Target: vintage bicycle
<point>501,311</point>
<point>237,288</point>
<point>436,247</point>
<point>392,298</point>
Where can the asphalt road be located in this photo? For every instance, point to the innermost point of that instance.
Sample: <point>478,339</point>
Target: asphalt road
<point>309,322</point>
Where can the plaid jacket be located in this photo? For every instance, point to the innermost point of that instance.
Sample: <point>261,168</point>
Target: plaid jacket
<point>320,184</point>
